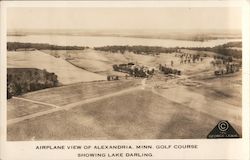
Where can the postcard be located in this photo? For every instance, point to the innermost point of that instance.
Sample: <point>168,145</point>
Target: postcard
<point>137,80</point>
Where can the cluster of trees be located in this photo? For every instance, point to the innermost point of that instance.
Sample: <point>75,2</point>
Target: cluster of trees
<point>112,77</point>
<point>229,68</point>
<point>133,70</point>
<point>223,50</point>
<point>224,59</point>
<point>23,80</point>
<point>137,49</point>
<point>201,38</point>
<point>13,46</point>
<point>168,70</point>
<point>232,44</point>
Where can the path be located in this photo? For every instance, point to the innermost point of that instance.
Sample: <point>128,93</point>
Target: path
<point>66,107</point>
<point>37,102</point>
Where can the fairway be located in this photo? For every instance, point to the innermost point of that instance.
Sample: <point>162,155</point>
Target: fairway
<point>41,60</point>
<point>137,115</point>
<point>123,110</point>
<point>161,107</point>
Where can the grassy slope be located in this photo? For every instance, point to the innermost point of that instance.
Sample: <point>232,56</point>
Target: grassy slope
<point>101,62</point>
<point>66,72</point>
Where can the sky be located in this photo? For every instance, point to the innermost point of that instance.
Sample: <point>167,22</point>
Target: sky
<point>216,18</point>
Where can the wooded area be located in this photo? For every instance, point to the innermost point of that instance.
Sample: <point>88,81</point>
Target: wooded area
<point>137,49</point>
<point>14,46</point>
<point>23,80</point>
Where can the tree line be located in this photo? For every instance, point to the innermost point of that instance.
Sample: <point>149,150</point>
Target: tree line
<point>14,46</point>
<point>223,50</point>
<point>137,49</point>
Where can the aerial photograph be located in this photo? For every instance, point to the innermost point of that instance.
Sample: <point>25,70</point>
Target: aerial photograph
<point>123,73</point>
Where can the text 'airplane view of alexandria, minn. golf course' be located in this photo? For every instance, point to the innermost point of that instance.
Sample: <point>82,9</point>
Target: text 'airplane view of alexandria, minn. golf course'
<point>127,73</point>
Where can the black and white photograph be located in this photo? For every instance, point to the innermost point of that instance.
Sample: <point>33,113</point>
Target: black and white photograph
<point>123,73</point>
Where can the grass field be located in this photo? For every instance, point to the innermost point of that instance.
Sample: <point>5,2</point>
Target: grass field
<point>76,92</point>
<point>187,106</point>
<point>101,62</point>
<point>143,115</point>
<point>18,108</point>
<point>41,60</point>
<point>64,95</point>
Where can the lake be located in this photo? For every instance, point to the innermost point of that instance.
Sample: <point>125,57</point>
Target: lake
<point>97,41</point>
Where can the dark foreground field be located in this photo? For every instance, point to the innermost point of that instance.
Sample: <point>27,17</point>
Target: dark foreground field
<point>127,109</point>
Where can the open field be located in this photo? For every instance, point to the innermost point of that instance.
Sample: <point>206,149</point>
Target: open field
<point>68,94</point>
<point>38,101</point>
<point>222,102</point>
<point>143,115</point>
<point>147,112</point>
<point>160,107</point>
<point>18,108</point>
<point>101,62</point>
<point>40,60</point>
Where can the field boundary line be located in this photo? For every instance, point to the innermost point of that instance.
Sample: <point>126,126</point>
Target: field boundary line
<point>68,106</point>
<point>16,120</point>
<point>37,102</point>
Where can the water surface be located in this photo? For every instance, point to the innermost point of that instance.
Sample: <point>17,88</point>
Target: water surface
<point>97,41</point>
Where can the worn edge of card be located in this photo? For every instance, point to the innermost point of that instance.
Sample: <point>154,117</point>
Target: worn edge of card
<point>207,148</point>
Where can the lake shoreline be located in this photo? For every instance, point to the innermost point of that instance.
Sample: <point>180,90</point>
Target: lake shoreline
<point>99,41</point>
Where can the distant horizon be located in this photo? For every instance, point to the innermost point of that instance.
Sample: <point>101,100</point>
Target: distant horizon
<point>139,19</point>
<point>125,31</point>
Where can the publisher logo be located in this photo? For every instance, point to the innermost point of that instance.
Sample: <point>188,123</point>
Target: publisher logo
<point>223,130</point>
<point>223,126</point>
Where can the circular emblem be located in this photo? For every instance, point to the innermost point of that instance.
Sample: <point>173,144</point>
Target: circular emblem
<point>223,126</point>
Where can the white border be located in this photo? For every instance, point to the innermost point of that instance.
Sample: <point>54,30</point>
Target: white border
<point>145,3</point>
<point>3,77</point>
<point>246,74</point>
<point>208,149</point>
